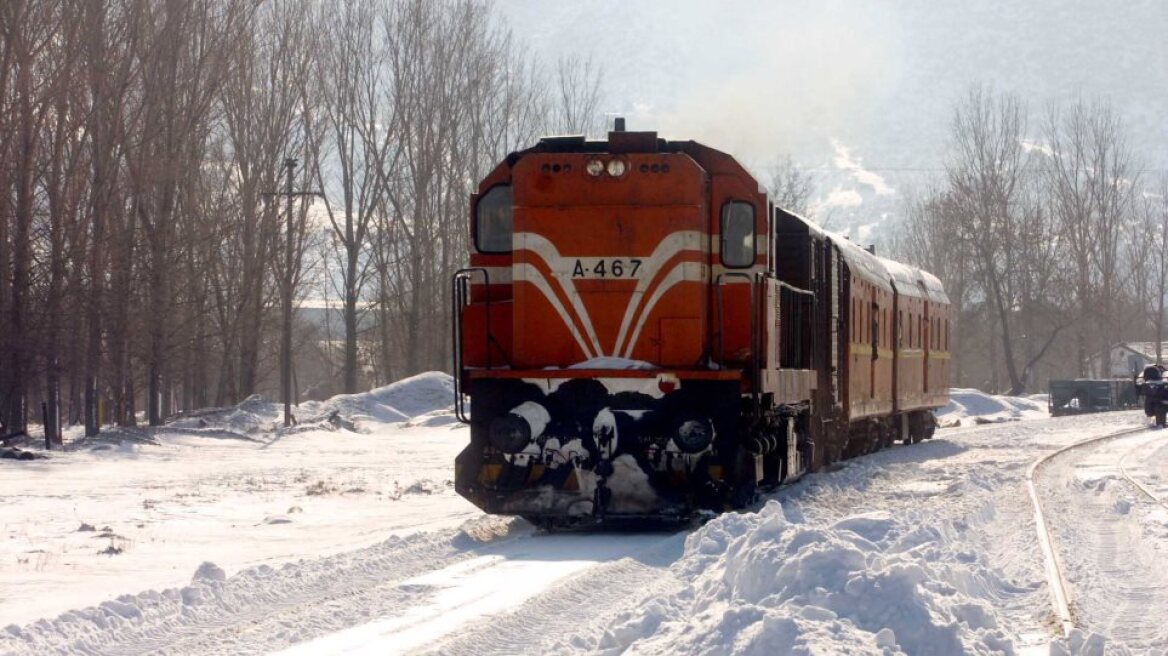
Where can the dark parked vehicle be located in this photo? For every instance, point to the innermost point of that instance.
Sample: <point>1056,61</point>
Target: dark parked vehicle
<point>1151,385</point>
<point>1081,395</point>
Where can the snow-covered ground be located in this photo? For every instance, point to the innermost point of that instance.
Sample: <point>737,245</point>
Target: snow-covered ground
<point>969,406</point>
<point>135,511</point>
<point>344,536</point>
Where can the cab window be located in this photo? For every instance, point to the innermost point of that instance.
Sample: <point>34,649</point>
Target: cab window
<point>493,221</point>
<point>737,234</point>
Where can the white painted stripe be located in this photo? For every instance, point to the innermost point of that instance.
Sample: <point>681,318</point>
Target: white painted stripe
<point>526,273</point>
<point>499,275</point>
<point>670,246</point>
<point>681,272</point>
<point>540,245</point>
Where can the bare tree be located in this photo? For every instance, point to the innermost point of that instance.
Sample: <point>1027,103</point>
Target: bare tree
<point>1148,257</point>
<point>263,103</point>
<point>791,187</point>
<point>576,96</point>
<point>985,178</point>
<point>1090,181</point>
<point>349,161</point>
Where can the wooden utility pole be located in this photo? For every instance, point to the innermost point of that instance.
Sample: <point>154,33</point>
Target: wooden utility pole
<point>286,338</point>
<point>287,284</point>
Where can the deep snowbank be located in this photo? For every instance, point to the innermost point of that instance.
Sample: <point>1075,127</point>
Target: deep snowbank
<point>772,582</point>
<point>425,399</point>
<point>968,406</point>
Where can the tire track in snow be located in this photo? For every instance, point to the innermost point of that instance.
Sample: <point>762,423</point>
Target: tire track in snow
<point>573,615</point>
<point>519,584</point>
<point>257,609</point>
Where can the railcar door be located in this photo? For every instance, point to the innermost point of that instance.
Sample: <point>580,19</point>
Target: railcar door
<point>738,227</point>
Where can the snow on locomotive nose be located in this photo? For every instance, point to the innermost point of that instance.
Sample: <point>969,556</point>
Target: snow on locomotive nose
<point>640,334</point>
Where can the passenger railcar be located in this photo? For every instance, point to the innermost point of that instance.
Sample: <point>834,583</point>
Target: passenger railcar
<point>642,333</point>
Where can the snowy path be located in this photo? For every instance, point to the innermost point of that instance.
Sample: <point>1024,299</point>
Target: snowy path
<point>509,598</point>
<point>1110,539</point>
<point>397,597</point>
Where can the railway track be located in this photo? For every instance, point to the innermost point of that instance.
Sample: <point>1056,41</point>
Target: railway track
<point>1055,572</point>
<point>1143,489</point>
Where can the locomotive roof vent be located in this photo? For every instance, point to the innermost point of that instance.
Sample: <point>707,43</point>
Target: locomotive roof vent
<point>620,141</point>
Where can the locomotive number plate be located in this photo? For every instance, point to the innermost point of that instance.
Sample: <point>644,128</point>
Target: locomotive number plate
<point>605,267</point>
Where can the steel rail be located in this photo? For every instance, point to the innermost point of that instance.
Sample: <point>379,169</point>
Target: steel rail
<point>1138,485</point>
<point>1056,579</point>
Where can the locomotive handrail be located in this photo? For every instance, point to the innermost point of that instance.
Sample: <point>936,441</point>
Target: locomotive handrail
<point>754,337</point>
<point>460,297</point>
<point>792,288</point>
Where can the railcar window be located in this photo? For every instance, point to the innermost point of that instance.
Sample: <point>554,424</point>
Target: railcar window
<point>737,234</point>
<point>493,221</point>
<point>874,334</point>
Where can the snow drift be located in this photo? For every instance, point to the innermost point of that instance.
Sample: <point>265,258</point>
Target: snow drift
<point>425,399</point>
<point>974,406</point>
<point>767,582</point>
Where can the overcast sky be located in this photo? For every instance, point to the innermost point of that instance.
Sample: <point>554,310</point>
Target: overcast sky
<point>758,78</point>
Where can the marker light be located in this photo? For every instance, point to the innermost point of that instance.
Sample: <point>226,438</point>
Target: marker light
<point>616,168</point>
<point>594,167</point>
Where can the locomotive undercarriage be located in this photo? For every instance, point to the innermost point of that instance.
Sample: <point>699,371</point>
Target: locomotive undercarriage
<point>583,450</point>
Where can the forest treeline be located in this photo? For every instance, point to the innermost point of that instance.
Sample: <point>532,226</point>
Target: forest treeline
<point>143,234</point>
<point>1051,235</point>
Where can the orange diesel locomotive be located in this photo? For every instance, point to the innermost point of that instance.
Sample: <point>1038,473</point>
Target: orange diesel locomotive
<point>642,333</point>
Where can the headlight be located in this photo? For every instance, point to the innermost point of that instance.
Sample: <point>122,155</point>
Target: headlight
<point>594,167</point>
<point>509,433</point>
<point>616,168</point>
<point>694,435</point>
<point>512,432</point>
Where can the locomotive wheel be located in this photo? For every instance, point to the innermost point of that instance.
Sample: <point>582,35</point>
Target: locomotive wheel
<point>930,428</point>
<point>744,490</point>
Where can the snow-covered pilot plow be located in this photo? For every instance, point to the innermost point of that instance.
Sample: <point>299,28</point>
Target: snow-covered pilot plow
<point>599,443</point>
<point>641,333</point>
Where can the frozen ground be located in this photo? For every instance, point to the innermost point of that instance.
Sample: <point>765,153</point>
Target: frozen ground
<point>134,511</point>
<point>969,407</point>
<point>330,540</point>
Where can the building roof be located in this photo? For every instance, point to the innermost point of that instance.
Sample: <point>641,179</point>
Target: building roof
<point>1146,349</point>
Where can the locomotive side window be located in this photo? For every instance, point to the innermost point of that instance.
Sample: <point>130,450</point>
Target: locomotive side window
<point>737,234</point>
<point>493,221</point>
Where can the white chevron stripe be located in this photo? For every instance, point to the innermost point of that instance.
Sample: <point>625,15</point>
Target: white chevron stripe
<point>670,246</point>
<point>679,273</point>
<point>526,273</point>
<point>546,250</point>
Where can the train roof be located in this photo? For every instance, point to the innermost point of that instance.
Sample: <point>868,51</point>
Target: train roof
<point>861,262</point>
<point>883,272</point>
<point>912,281</point>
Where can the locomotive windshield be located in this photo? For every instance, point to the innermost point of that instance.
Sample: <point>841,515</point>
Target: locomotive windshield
<point>493,221</point>
<point>737,234</point>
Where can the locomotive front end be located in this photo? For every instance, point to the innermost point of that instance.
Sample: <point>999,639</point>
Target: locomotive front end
<point>583,337</point>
